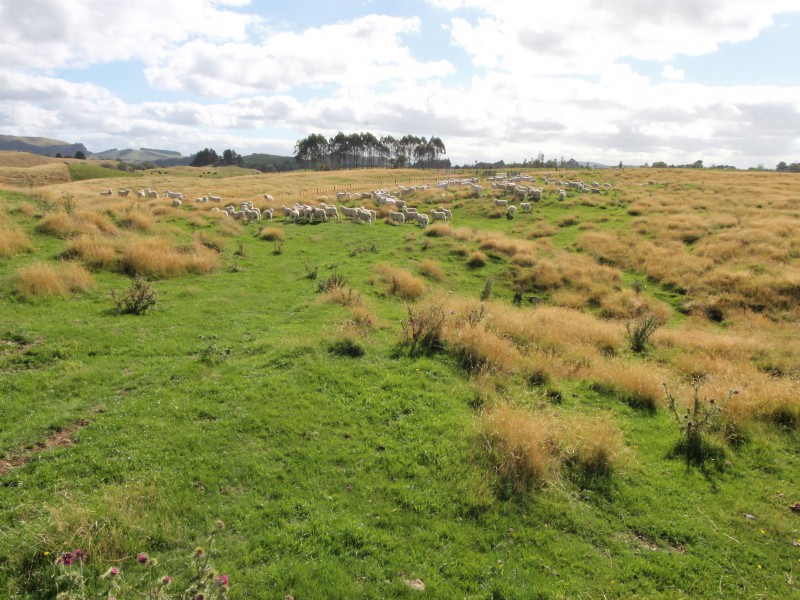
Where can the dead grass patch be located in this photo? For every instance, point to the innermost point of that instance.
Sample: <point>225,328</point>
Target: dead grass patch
<point>272,234</point>
<point>46,279</point>
<point>13,242</point>
<point>401,282</point>
<point>156,257</point>
<point>431,268</point>
<point>532,449</point>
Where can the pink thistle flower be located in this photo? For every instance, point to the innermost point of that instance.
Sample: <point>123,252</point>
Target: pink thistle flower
<point>167,580</point>
<point>142,558</point>
<point>79,554</point>
<point>223,580</point>
<point>113,571</point>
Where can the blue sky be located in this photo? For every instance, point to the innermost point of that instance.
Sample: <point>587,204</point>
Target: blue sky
<point>625,80</point>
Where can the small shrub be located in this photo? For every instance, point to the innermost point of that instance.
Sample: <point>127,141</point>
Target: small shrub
<point>477,259</point>
<point>277,248</point>
<point>423,330</point>
<point>701,417</point>
<point>137,299</point>
<point>640,330</point>
<point>213,355</point>
<point>486,293</point>
<point>311,272</point>
<point>333,281</point>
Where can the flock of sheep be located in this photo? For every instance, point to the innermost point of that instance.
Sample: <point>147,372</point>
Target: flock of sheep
<point>399,212</point>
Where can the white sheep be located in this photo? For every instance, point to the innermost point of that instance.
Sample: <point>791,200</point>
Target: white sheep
<point>267,214</point>
<point>525,207</point>
<point>213,198</point>
<point>511,210</point>
<point>123,193</point>
<point>397,217</point>
<point>562,194</point>
<point>500,202</point>
<point>176,203</point>
<point>106,192</point>
<point>423,219</point>
<point>268,197</point>
<point>438,215</point>
<point>448,214</point>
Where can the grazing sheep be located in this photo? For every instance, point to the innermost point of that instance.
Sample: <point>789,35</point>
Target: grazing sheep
<point>213,198</point>
<point>267,214</point>
<point>349,212</point>
<point>123,193</point>
<point>174,195</point>
<point>106,192</point>
<point>363,216</point>
<point>511,211</point>
<point>423,219</point>
<point>176,203</point>
<point>152,193</point>
<point>500,202</point>
<point>331,211</point>
<point>397,216</point>
<point>438,215</point>
<point>141,194</point>
<point>562,194</point>
<point>448,214</point>
<point>318,214</point>
<point>268,197</point>
<point>525,207</point>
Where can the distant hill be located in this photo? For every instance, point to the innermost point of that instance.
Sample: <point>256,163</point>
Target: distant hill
<point>38,145</point>
<point>141,155</point>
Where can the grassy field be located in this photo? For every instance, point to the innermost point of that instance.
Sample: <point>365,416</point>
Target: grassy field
<point>336,410</point>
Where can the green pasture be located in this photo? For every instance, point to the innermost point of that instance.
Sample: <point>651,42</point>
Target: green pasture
<point>337,476</point>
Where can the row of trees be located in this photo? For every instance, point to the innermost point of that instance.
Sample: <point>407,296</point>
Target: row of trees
<point>364,150</point>
<point>208,157</point>
<point>782,167</point>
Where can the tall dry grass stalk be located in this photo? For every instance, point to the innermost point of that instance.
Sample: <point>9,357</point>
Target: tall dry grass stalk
<point>13,242</point>
<point>46,279</point>
<point>401,282</point>
<point>432,269</point>
<point>156,257</point>
<point>531,449</point>
<point>96,251</point>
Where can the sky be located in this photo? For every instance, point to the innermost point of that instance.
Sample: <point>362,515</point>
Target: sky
<point>631,81</point>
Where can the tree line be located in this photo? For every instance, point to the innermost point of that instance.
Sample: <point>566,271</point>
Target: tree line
<point>208,157</point>
<point>365,150</point>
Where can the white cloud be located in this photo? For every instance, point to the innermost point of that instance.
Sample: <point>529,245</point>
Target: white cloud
<point>51,34</point>
<point>670,73</point>
<point>588,36</point>
<point>365,51</point>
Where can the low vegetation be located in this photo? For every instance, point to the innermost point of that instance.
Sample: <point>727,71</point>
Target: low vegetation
<point>599,398</point>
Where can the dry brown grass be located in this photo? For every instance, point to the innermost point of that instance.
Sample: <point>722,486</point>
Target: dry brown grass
<point>635,383</point>
<point>46,279</point>
<point>34,176</point>
<point>13,242</point>
<point>431,268</point>
<point>96,251</point>
<point>272,234</point>
<point>138,220</point>
<point>401,282</point>
<point>531,449</point>
<point>477,259</point>
<point>156,257</point>
<point>64,224</point>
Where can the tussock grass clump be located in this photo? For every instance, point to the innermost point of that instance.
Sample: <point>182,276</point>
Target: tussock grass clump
<point>401,282</point>
<point>64,224</point>
<point>532,449</point>
<point>477,259</point>
<point>13,242</point>
<point>46,279</point>
<point>271,234</point>
<point>97,252</point>
<point>635,383</point>
<point>138,220</point>
<point>156,257</point>
<point>431,268</point>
